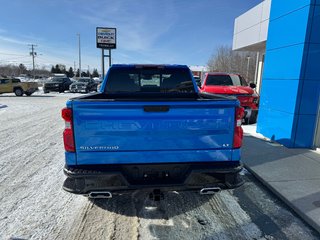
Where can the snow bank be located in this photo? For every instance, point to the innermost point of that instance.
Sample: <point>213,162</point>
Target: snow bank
<point>252,131</point>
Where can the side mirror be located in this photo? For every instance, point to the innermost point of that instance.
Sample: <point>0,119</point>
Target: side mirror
<point>253,85</point>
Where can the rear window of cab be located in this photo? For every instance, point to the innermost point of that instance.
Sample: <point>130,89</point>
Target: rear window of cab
<point>225,80</point>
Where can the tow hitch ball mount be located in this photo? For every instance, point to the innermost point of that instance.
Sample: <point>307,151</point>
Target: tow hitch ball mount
<point>156,195</point>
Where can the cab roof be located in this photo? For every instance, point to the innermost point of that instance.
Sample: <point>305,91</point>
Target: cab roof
<point>149,66</point>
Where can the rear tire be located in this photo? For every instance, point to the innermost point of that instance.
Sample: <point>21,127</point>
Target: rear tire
<point>253,119</point>
<point>18,92</point>
<point>28,94</point>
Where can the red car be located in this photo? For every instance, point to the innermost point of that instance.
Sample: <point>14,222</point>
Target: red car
<point>235,85</point>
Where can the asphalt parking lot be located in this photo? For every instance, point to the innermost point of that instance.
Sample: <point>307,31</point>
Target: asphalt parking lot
<point>34,206</point>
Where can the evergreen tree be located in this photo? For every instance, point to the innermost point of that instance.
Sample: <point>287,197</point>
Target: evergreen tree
<point>70,73</point>
<point>57,69</point>
<point>78,73</point>
<point>95,73</point>
<point>63,68</point>
<point>22,68</point>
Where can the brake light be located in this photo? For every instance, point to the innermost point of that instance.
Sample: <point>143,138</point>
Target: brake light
<point>255,98</point>
<point>238,131</point>
<point>68,138</point>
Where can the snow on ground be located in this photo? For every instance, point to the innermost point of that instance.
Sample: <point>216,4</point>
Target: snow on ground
<point>64,94</point>
<point>2,108</point>
<point>251,130</point>
<point>32,201</point>
<point>34,206</point>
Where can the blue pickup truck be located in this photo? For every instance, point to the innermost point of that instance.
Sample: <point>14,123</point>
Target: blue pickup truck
<point>150,129</point>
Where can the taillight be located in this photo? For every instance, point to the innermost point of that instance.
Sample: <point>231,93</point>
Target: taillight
<point>68,139</point>
<point>238,132</point>
<point>255,98</point>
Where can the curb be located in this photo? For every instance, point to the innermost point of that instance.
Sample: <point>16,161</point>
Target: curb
<point>304,217</point>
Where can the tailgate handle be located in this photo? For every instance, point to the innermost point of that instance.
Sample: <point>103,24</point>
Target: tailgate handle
<point>156,108</point>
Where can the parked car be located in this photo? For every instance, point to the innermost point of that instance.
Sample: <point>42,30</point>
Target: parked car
<point>83,85</point>
<point>197,79</point>
<point>150,129</point>
<point>99,87</point>
<point>234,85</point>
<point>14,85</point>
<point>98,81</point>
<point>57,84</point>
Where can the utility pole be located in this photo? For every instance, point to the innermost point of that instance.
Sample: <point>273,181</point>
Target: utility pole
<point>33,54</point>
<point>78,34</point>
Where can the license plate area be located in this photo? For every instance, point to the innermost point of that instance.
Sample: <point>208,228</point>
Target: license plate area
<point>155,174</point>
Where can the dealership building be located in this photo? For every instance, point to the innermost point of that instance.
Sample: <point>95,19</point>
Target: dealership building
<point>285,34</point>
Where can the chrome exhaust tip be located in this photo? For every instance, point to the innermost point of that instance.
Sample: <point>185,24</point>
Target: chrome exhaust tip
<point>210,190</point>
<point>100,194</point>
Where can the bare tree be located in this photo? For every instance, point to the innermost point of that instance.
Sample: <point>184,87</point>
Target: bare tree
<point>10,70</point>
<point>225,60</point>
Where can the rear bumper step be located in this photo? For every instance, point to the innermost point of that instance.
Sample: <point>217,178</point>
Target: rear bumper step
<point>167,177</point>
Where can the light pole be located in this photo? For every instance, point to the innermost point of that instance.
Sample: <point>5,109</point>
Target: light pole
<point>78,34</point>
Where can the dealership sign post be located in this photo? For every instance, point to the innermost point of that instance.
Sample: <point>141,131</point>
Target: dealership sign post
<point>106,39</point>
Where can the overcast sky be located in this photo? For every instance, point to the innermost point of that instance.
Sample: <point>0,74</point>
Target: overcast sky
<point>149,31</point>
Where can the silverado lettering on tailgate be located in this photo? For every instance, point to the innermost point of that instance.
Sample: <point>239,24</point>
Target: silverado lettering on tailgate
<point>98,148</point>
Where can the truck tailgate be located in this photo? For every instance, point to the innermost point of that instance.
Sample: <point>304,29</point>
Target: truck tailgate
<point>117,132</point>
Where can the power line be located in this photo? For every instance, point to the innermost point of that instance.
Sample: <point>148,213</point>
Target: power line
<point>11,54</point>
<point>12,59</point>
<point>50,61</point>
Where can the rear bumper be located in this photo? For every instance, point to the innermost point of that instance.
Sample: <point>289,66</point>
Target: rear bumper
<point>254,114</point>
<point>52,89</point>
<point>32,90</point>
<point>167,177</point>
<point>79,90</point>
